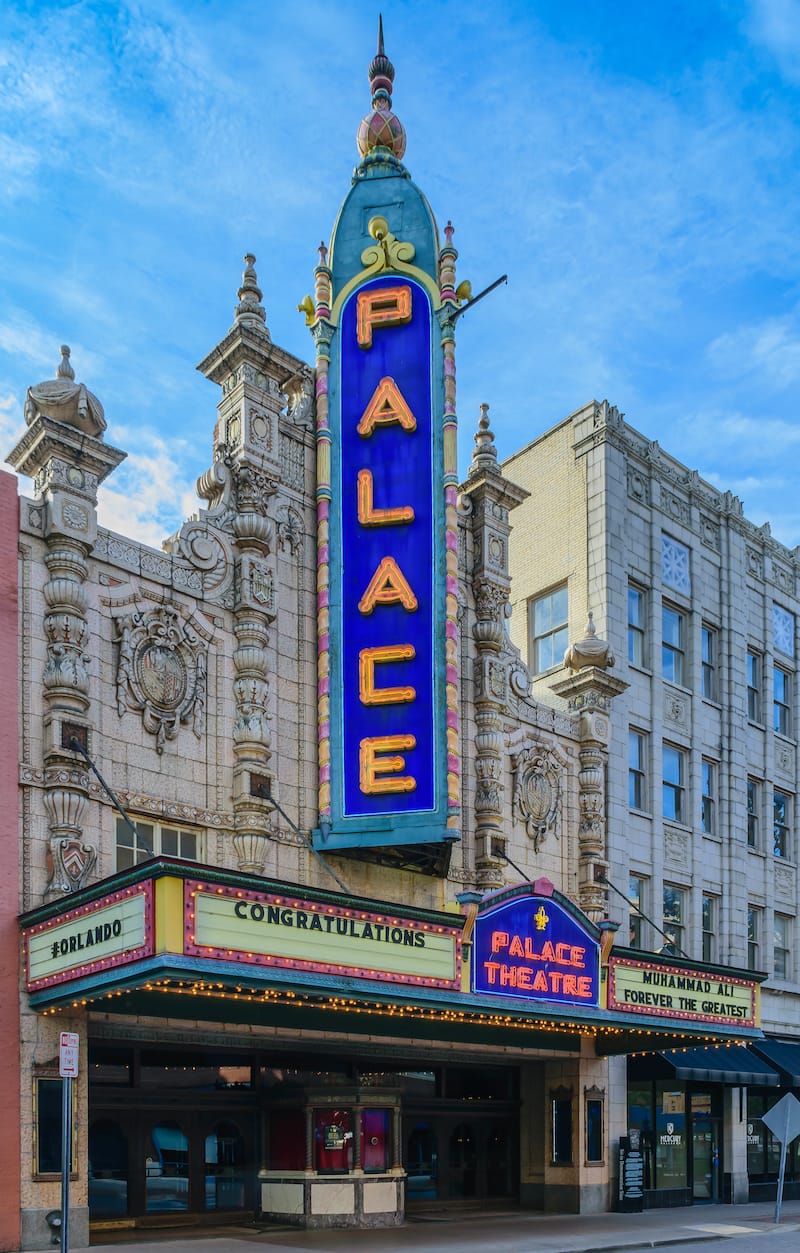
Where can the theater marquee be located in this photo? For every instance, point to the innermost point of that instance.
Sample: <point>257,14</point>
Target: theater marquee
<point>678,992</point>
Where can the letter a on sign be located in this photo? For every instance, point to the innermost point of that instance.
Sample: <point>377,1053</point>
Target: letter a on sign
<point>388,586</point>
<point>388,407</point>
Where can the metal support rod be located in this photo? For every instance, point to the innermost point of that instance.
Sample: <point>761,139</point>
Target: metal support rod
<point>77,747</point>
<point>607,883</point>
<point>66,1158</point>
<point>502,279</point>
<point>271,801</point>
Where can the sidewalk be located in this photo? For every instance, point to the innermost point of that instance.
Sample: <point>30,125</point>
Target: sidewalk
<point>512,1231</point>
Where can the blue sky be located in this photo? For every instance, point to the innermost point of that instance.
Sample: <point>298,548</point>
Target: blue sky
<point>632,166</point>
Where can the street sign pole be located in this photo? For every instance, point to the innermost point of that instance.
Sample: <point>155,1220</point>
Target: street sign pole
<point>66,1158</point>
<point>68,1070</point>
<point>782,1170</point>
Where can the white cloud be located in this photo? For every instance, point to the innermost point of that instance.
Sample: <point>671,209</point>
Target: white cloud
<point>150,494</point>
<point>776,25</point>
<point>769,351</point>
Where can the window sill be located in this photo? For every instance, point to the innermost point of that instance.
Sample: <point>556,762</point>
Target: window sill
<point>648,674</point>
<point>756,852</point>
<point>712,701</point>
<point>785,739</point>
<point>711,835</point>
<point>640,813</point>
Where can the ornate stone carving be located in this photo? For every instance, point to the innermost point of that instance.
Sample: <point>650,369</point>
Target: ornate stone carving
<point>208,550</point>
<point>537,774</point>
<point>755,562</point>
<point>290,528</point>
<point>784,883</point>
<point>709,532</point>
<point>675,709</point>
<point>637,485</point>
<point>70,863</point>
<point>676,847</point>
<point>161,671</point>
<point>589,651</point>
<point>299,391</point>
<point>293,462</point>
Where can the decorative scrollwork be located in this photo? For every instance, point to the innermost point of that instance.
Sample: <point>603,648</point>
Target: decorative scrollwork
<point>387,253</point>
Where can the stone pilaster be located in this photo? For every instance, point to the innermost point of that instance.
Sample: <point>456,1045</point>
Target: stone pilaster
<point>589,693</point>
<point>64,452</point>
<point>239,488</point>
<point>491,496</point>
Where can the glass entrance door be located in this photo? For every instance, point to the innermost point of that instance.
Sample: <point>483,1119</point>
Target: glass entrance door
<point>706,1143</point>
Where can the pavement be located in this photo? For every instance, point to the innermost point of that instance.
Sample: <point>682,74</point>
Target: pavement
<point>476,1231</point>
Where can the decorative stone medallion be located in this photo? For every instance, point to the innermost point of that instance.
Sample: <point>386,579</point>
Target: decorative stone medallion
<point>161,671</point>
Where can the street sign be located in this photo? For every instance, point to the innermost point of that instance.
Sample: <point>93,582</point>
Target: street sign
<point>783,1121</point>
<point>68,1055</point>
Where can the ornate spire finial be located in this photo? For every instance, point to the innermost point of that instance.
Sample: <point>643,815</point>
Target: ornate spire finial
<point>381,129</point>
<point>65,370</point>
<point>484,454</point>
<point>590,651</point>
<point>250,311</point>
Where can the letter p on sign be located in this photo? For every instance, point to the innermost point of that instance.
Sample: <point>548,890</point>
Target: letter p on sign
<point>68,1055</point>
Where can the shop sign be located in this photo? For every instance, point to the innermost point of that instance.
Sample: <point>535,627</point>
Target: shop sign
<point>261,929</point>
<point>674,992</point>
<point>532,947</point>
<point>112,931</point>
<point>388,731</point>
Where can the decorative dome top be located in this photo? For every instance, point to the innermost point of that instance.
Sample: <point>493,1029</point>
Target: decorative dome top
<point>380,128</point>
<point>65,400</point>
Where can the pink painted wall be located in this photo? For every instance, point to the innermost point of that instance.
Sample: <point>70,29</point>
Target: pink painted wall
<point>9,878</point>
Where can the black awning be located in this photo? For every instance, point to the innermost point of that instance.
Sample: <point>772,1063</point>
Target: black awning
<point>730,1063</point>
<point>784,1056</point>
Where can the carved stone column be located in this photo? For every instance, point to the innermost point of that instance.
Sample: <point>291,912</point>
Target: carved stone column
<point>589,692</point>
<point>64,452</point>
<point>492,496</point>
<point>239,488</point>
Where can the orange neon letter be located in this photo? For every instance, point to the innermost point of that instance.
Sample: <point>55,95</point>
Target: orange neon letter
<point>372,767</point>
<point>368,658</point>
<point>390,306</point>
<point>368,515</point>
<point>388,586</point>
<point>386,408</point>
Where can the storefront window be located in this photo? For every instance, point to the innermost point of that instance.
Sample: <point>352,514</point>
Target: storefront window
<point>167,1168</point>
<point>287,1139</point>
<point>224,1162</point>
<point>562,1129</point>
<point>375,1139</point>
<point>333,1140</point>
<point>48,1101</point>
<point>640,1118</point>
<point>670,1136</point>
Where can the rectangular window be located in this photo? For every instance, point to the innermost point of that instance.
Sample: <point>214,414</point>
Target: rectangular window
<point>708,650</point>
<point>636,888</point>
<point>594,1128</point>
<point>549,630</point>
<point>637,622</point>
<point>709,928</point>
<point>674,916</point>
<point>781,824</point>
<point>562,1127</point>
<point>48,1126</point>
<point>673,786</point>
<point>753,936</point>
<point>753,813</point>
<point>673,632</point>
<point>753,686</point>
<point>637,770</point>
<point>708,800</point>
<point>152,840</point>
<point>781,951</point>
<point>781,701</point>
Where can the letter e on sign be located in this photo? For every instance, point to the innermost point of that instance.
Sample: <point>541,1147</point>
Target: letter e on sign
<point>68,1055</point>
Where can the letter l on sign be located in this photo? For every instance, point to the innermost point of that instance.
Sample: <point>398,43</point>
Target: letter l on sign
<point>68,1055</point>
